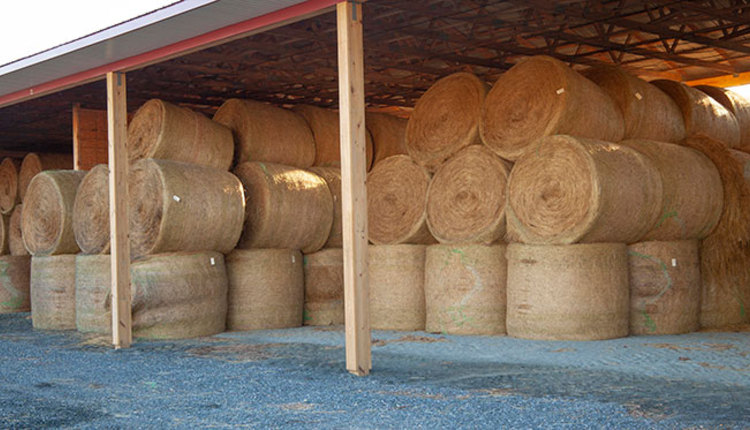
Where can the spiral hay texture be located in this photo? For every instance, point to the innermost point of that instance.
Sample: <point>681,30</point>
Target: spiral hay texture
<point>665,287</point>
<point>388,135</point>
<point>465,289</point>
<point>396,278</point>
<point>738,105</point>
<point>466,198</point>
<point>324,287</point>
<point>266,289</point>
<point>9,185</point>
<point>267,133</point>
<point>571,292</point>
<point>93,286</point>
<point>569,190</point>
<point>332,177</point>
<point>445,119</point>
<point>47,218</point>
<point>53,288</point>
<point>34,163</point>
<point>14,284</point>
<point>177,206</point>
<point>541,96</point>
<point>15,233</point>
<point>91,212</point>
<point>286,207</point>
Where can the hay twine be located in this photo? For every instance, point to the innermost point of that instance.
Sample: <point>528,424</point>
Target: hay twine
<point>91,212</point>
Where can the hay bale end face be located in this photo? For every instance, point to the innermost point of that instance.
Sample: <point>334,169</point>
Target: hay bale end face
<point>396,277</point>
<point>91,212</point>
<point>34,163</point>
<point>53,286</point>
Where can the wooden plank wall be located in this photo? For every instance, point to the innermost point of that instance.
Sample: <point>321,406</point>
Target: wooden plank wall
<point>89,137</point>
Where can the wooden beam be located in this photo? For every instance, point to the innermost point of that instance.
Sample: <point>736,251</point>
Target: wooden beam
<point>117,115</point>
<point>353,191</point>
<point>723,81</point>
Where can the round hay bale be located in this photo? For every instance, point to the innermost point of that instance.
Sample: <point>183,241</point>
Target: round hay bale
<point>397,202</point>
<point>464,289</point>
<point>286,207</point>
<point>743,290</point>
<point>15,235</point>
<point>571,189</point>
<point>466,198</point>
<point>332,176</point>
<point>91,212</point>
<point>702,114</point>
<point>267,133</point>
<point>4,234</point>
<point>266,289</point>
<point>665,287</point>
<point>738,105</point>
<point>445,119</point>
<point>47,218</point>
<point>388,135</point>
<point>34,163</point>
<point>692,191</point>
<point>9,185</point>
<point>176,206</point>
<point>570,292</point>
<point>541,96</point>
<point>324,287</point>
<point>53,288</point>
<point>93,287</point>
<point>169,132</point>
<point>648,112</point>
<point>14,284</point>
<point>396,277</point>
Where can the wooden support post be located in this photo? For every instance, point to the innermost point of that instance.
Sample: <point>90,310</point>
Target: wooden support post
<point>117,113</point>
<point>353,191</point>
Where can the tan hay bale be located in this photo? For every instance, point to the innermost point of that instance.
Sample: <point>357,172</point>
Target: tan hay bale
<point>397,202</point>
<point>647,111</point>
<point>388,135</point>
<point>170,132</point>
<point>569,190</point>
<point>324,287</point>
<point>396,278</point>
<point>15,235</point>
<point>332,177</point>
<point>541,96</point>
<point>266,289</point>
<point>445,119</point>
<point>465,289</point>
<point>702,114</point>
<point>570,292</point>
<point>466,198</point>
<point>177,206</point>
<point>665,287</point>
<point>738,105</point>
<point>53,287</point>
<point>693,192</point>
<point>93,286</point>
<point>91,212</point>
<point>267,133</point>
<point>743,159</point>
<point>34,163</point>
<point>47,218</point>
<point>9,185</point>
<point>14,284</point>
<point>4,234</point>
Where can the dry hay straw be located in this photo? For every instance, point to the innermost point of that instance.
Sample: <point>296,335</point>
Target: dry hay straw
<point>445,119</point>
<point>91,212</point>
<point>34,163</point>
<point>388,135</point>
<point>569,292</point>
<point>177,206</point>
<point>324,287</point>
<point>665,287</point>
<point>170,132</point>
<point>397,202</point>
<point>4,235</point>
<point>702,114</point>
<point>15,234</point>
<point>47,218</point>
<point>738,105</point>
<point>263,132</point>
<point>266,289</point>
<point>692,191</point>
<point>93,286</point>
<point>287,207</point>
<point>541,96</point>
<point>332,177</point>
<point>569,190</point>
<point>15,284</point>
<point>53,286</point>
<point>647,111</point>
<point>396,279</point>
<point>9,185</point>
<point>465,289</point>
<point>467,196</point>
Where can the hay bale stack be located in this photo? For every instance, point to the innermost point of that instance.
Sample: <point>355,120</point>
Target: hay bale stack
<point>332,177</point>
<point>466,198</point>
<point>647,111</point>
<point>91,212</point>
<point>738,105</point>
<point>176,206</point>
<point>397,202</point>
<point>9,185</point>
<point>571,292</point>
<point>169,132</point>
<point>665,287</point>
<point>47,218</point>
<point>693,192</point>
<point>388,135</point>
<point>702,114</point>
<point>267,133</point>
<point>93,286</point>
<point>15,234</point>
<point>14,284</point>
<point>465,289</point>
<point>34,163</point>
<point>541,96</point>
<point>286,207</point>
<point>324,287</point>
<point>53,288</point>
<point>569,190</point>
<point>396,277</point>
<point>266,289</point>
<point>445,119</point>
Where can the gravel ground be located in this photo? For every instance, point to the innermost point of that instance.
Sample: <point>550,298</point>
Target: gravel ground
<point>296,378</point>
